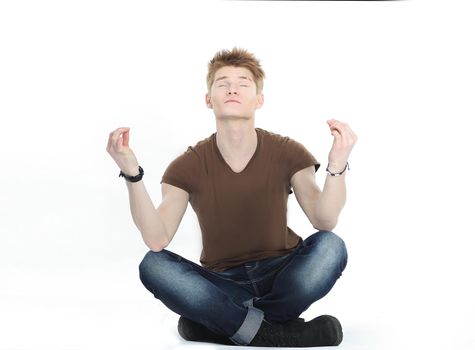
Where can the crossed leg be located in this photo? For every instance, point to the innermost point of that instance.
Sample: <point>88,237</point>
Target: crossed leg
<point>228,309</point>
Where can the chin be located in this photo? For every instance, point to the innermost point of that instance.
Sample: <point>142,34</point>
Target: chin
<point>233,116</point>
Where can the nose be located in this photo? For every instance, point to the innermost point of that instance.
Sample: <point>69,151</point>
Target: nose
<point>232,90</point>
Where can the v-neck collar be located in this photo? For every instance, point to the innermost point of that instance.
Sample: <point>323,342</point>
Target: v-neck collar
<point>218,152</point>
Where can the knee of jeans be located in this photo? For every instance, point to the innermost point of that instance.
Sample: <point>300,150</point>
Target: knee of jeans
<point>334,244</point>
<point>153,264</point>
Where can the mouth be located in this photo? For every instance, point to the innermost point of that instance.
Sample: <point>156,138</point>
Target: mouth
<point>232,101</point>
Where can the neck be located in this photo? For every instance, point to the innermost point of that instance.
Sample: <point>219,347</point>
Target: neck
<point>236,138</point>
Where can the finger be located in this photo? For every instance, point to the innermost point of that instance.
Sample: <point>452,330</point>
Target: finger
<point>344,131</point>
<point>350,135</point>
<point>126,138</point>
<point>337,127</point>
<point>109,142</point>
<point>119,131</point>
<point>353,135</point>
<point>343,127</point>
<point>337,137</point>
<point>118,142</point>
<point>333,123</point>
<point>112,138</point>
<point>116,135</point>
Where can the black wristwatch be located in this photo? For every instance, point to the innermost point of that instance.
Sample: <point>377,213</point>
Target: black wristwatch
<point>133,178</point>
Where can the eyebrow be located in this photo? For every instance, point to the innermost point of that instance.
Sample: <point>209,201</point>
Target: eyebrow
<point>240,77</point>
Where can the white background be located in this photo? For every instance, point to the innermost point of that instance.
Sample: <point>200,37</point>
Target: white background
<point>400,73</point>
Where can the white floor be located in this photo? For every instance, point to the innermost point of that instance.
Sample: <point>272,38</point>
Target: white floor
<point>106,307</point>
<point>400,73</point>
<point>94,308</point>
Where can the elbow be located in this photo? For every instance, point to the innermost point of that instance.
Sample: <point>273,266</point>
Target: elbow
<point>325,226</point>
<point>155,240</point>
<point>155,246</point>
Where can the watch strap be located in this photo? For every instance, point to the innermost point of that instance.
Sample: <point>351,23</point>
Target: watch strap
<point>135,178</point>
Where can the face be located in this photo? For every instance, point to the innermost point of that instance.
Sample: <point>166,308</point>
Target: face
<point>234,93</point>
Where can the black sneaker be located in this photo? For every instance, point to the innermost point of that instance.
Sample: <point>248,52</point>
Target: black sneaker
<point>296,320</point>
<point>193,331</point>
<point>324,330</point>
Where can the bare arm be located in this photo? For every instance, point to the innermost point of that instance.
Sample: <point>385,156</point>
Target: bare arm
<point>157,226</point>
<point>321,207</point>
<point>331,201</point>
<point>146,217</point>
<point>324,207</point>
<point>333,197</point>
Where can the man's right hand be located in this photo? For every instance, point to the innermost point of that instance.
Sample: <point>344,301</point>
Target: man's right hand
<point>118,148</point>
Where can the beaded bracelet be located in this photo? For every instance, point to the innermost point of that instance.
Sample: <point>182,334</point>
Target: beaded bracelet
<point>340,173</point>
<point>135,178</point>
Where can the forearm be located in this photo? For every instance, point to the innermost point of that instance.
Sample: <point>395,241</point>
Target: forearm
<point>331,201</point>
<point>146,217</point>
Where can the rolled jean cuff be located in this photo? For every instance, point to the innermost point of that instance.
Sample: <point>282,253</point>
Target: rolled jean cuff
<point>250,326</point>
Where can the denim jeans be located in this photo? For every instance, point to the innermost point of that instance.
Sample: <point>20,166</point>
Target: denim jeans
<point>234,302</point>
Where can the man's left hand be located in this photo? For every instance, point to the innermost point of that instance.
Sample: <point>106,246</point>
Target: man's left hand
<point>343,142</point>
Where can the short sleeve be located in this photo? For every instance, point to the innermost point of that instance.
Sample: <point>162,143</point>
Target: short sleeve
<point>297,157</point>
<point>183,171</point>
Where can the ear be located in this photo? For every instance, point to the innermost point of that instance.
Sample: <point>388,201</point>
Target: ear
<point>208,101</point>
<point>260,100</point>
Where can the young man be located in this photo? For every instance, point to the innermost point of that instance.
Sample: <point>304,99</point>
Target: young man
<point>256,275</point>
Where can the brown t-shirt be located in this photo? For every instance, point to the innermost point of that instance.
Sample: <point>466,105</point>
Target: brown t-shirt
<point>242,216</point>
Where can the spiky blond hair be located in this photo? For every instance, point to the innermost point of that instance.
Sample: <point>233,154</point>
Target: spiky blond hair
<point>237,57</point>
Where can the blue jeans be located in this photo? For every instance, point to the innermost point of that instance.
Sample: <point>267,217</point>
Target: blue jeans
<point>234,302</point>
